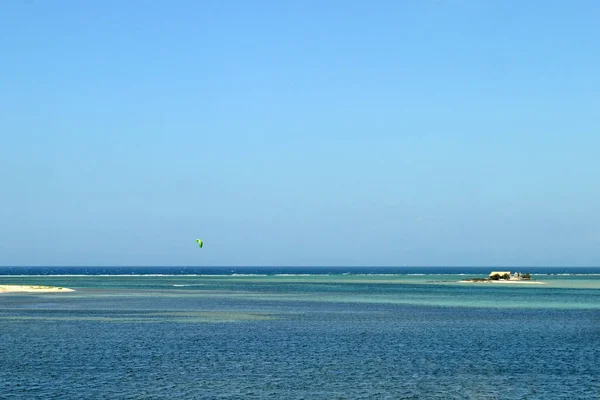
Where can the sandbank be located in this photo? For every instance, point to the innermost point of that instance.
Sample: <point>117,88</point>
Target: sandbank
<point>521,282</point>
<point>32,288</point>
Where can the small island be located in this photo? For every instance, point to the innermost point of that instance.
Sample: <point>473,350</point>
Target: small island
<point>32,289</point>
<point>504,277</point>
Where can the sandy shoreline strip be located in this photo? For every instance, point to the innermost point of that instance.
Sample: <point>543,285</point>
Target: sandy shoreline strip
<point>508,282</point>
<point>32,289</point>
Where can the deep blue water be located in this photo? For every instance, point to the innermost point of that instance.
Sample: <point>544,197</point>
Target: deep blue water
<point>283,270</point>
<point>121,337</point>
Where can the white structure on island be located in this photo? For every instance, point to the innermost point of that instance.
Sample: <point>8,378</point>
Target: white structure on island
<point>513,277</point>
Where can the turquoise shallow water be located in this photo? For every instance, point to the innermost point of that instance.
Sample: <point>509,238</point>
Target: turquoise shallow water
<point>300,337</point>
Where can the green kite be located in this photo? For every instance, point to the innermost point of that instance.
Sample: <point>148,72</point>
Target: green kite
<point>200,244</point>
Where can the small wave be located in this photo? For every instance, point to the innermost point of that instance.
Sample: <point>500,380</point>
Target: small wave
<point>565,274</point>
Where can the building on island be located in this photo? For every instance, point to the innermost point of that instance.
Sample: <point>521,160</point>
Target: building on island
<point>517,276</point>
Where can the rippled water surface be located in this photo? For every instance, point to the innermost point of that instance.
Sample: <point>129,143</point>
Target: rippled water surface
<point>299,337</point>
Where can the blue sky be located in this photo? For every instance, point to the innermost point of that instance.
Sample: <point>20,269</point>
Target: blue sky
<point>300,133</point>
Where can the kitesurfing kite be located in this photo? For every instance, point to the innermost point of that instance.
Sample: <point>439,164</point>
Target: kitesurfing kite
<point>200,244</point>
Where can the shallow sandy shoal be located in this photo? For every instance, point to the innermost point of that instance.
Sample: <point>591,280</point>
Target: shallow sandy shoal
<point>32,288</point>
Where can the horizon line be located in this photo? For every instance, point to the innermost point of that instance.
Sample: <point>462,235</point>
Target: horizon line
<point>299,266</point>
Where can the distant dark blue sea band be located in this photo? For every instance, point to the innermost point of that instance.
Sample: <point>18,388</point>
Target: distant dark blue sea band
<point>58,270</point>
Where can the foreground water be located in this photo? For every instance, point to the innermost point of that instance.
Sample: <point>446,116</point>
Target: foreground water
<point>332,334</point>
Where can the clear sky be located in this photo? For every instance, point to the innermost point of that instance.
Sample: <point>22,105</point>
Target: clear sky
<point>282,133</point>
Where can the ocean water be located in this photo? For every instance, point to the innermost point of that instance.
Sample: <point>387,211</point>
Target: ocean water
<point>302,333</point>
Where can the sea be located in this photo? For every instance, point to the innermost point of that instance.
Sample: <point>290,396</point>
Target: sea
<point>299,333</point>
